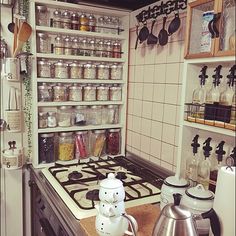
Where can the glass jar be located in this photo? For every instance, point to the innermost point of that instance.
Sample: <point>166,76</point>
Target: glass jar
<point>67,46</point>
<point>46,148</point>
<point>59,93</point>
<point>92,47</point>
<point>82,145</point>
<point>108,23</point>
<point>66,146</point>
<point>100,24</point>
<point>81,115</point>
<point>115,93</point>
<point>113,142</point>
<point>42,16</point>
<point>116,71</point>
<point>74,21</point>
<point>108,49</point>
<point>102,93</point>
<point>112,114</point>
<point>92,21</point>
<point>75,93</point>
<point>43,43</point>
<point>64,116</point>
<point>103,71</point>
<point>44,68</point>
<point>42,120</point>
<point>66,20</point>
<point>44,93</point>
<point>115,25</point>
<point>59,47</point>
<point>57,19</point>
<point>83,50</point>
<point>100,49</point>
<point>76,70</point>
<point>52,119</point>
<point>89,93</point>
<point>95,115</point>
<point>89,71</point>
<point>75,46</point>
<point>61,70</point>
<point>116,49</point>
<point>83,20</point>
<point>97,143</point>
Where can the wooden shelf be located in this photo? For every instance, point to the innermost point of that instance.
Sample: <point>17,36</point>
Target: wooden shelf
<point>211,60</point>
<point>82,103</point>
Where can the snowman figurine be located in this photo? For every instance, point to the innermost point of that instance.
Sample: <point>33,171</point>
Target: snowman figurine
<point>111,218</point>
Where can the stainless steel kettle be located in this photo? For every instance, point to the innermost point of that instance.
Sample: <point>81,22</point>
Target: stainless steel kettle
<point>175,220</point>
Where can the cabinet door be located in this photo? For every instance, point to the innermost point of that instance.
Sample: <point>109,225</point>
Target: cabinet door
<point>225,43</point>
<point>199,43</point>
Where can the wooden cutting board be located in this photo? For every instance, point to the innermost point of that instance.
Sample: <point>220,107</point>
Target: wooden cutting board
<point>146,216</point>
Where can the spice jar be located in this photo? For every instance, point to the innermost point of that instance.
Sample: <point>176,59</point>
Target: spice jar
<point>81,115</point>
<point>44,68</point>
<point>116,50</point>
<point>42,16</point>
<point>57,19</point>
<point>64,116</point>
<point>108,49</point>
<point>75,46</point>
<point>83,51</point>
<point>89,71</point>
<point>116,71</point>
<point>92,23</point>
<point>59,45</point>
<point>44,93</point>
<point>76,70</point>
<point>102,93</point>
<point>42,120</point>
<point>89,93</point>
<point>115,25</point>
<point>66,20</point>
<point>100,25</point>
<point>83,20</point>
<point>97,143</point>
<point>115,93</point>
<point>92,47</point>
<point>67,46</point>
<point>81,145</point>
<point>112,114</point>
<point>43,43</point>
<point>66,146</point>
<point>103,71</point>
<point>61,70</point>
<point>108,23</point>
<point>52,120</point>
<point>100,49</point>
<point>59,93</point>
<point>46,148</point>
<point>113,142</point>
<point>75,93</point>
<point>95,115</point>
<point>74,21</point>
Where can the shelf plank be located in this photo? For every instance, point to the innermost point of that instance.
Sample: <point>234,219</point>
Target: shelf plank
<point>82,103</point>
<point>211,60</point>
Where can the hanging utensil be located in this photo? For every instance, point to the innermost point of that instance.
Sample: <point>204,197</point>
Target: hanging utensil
<point>143,33</point>
<point>174,24</point>
<point>163,34</point>
<point>136,43</point>
<point>11,25</point>
<point>152,39</point>
<point>15,35</point>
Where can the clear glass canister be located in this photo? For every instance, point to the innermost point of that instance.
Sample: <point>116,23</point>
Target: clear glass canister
<point>76,70</point>
<point>112,114</point>
<point>52,119</point>
<point>116,71</point>
<point>57,19</point>
<point>67,46</point>
<point>116,49</point>
<point>100,24</point>
<point>42,120</point>
<point>66,20</point>
<point>43,43</point>
<point>108,49</point>
<point>108,23</point>
<point>89,93</point>
<point>97,143</point>
<point>66,146</point>
<point>64,116</point>
<point>100,49</point>
<point>74,21</point>
<point>81,115</point>
<point>95,115</point>
<point>92,21</point>
<point>44,93</point>
<point>44,68</point>
<point>82,145</point>
<point>83,50</point>
<point>115,25</point>
<point>59,93</point>
<point>75,46</point>
<point>92,47</point>
<point>103,71</point>
<point>113,142</point>
<point>59,46</point>
<point>115,93</point>
<point>61,70</point>
<point>102,93</point>
<point>46,148</point>
<point>89,71</point>
<point>42,16</point>
<point>75,93</point>
<point>83,20</point>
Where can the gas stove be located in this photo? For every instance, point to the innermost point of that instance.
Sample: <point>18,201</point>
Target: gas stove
<point>78,184</point>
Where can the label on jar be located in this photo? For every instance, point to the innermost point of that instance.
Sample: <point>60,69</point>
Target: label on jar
<point>90,94</point>
<point>61,72</point>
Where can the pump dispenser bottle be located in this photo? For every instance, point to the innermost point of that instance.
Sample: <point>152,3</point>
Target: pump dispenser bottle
<point>231,160</point>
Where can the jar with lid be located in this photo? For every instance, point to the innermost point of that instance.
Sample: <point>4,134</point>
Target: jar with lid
<point>59,93</point>
<point>66,146</point>
<point>59,46</point>
<point>102,93</point>
<point>42,120</point>
<point>100,49</point>
<point>42,16</point>
<point>46,148</point>
<point>108,49</point>
<point>66,20</point>
<point>52,119</point>
<point>113,142</point>
<point>43,43</point>
<point>89,93</point>
<point>44,68</point>
<point>75,46</point>
<point>116,49</point>
<point>100,24</point>
<point>83,51</point>
<point>98,143</point>
<point>76,70</point>
<point>57,19</point>
<point>92,21</point>
<point>92,47</point>
<point>89,71</point>
<point>64,116</point>
<point>67,46</point>
<point>112,114</point>
<point>108,23</point>
<point>75,93</point>
<point>81,115</point>
<point>103,71</point>
<point>95,115</point>
<point>115,25</point>
<point>61,70</point>
<point>115,93</point>
<point>44,93</point>
<point>82,145</point>
<point>83,21</point>
<point>116,71</point>
<point>74,21</point>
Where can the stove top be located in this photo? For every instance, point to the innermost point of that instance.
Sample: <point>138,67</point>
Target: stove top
<point>78,184</point>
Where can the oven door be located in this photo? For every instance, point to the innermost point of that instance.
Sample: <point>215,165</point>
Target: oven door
<point>45,228</point>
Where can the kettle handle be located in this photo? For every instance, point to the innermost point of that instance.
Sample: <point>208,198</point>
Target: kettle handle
<point>133,225</point>
<point>214,221</point>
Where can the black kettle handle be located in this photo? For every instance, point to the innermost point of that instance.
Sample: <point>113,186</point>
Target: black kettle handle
<point>214,220</point>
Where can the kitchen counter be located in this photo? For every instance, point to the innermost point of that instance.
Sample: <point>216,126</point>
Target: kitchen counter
<point>146,216</point>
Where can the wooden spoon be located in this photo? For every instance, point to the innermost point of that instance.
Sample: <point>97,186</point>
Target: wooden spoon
<point>23,35</point>
<point>15,35</point>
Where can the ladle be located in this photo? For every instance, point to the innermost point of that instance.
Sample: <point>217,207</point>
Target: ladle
<point>11,25</point>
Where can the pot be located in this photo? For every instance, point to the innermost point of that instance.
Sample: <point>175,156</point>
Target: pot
<point>199,200</point>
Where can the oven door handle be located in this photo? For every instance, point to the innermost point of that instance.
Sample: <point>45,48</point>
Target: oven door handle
<point>46,227</point>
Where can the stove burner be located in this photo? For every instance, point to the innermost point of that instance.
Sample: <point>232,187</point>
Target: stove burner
<point>75,175</point>
<point>93,195</point>
<point>121,175</point>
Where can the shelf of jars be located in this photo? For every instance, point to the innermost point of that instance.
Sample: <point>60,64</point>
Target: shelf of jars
<point>96,103</point>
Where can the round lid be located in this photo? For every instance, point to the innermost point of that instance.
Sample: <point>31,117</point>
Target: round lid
<point>51,113</point>
<point>47,135</point>
<point>96,107</point>
<point>65,107</point>
<point>60,63</point>
<point>41,8</point>
<point>81,132</point>
<point>74,14</point>
<point>44,86</point>
<point>91,17</point>
<point>108,43</point>
<point>111,182</point>
<point>81,107</point>
<point>66,14</point>
<point>89,65</point>
<point>102,65</point>
<point>42,35</point>
<point>58,38</point>
<point>42,113</point>
<point>116,43</point>
<point>101,131</point>
<point>112,106</point>
<point>57,13</point>
<point>83,15</point>
<point>67,39</point>
<point>66,134</point>
<point>75,40</point>
<point>43,62</point>
<point>92,41</point>
<point>200,193</point>
<point>114,130</point>
<point>101,19</point>
<point>59,86</point>
<point>174,181</point>
<point>115,65</point>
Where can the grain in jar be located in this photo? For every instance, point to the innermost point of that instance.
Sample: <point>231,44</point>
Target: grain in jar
<point>89,71</point>
<point>75,93</point>
<point>66,20</point>
<point>115,93</point>
<point>75,46</point>
<point>83,20</point>
<point>66,146</point>
<point>102,93</point>
<point>116,49</point>
<point>95,115</point>
<point>59,45</point>
<point>116,71</point>
<point>52,119</point>
<point>64,116</point>
<point>81,115</point>
<point>74,21</point>
<point>44,93</point>
<point>89,93</point>
<point>42,16</point>
<point>113,142</point>
<point>43,43</point>
<point>67,46</point>
<point>59,93</point>
<point>61,70</point>
<point>44,68</point>
<point>42,120</point>
<point>97,143</point>
<point>76,70</point>
<point>57,19</point>
<point>82,145</point>
<point>46,148</point>
<point>103,71</point>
